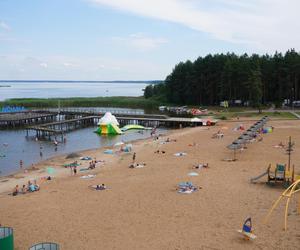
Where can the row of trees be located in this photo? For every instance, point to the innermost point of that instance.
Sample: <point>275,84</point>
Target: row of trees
<point>211,79</point>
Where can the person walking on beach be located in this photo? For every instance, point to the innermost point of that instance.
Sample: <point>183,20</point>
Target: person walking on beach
<point>21,164</point>
<point>133,157</point>
<point>75,170</point>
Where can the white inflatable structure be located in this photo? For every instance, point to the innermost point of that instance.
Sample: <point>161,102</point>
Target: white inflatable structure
<point>108,118</point>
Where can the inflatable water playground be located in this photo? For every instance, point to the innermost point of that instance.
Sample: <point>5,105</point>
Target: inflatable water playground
<point>108,125</point>
<point>133,126</point>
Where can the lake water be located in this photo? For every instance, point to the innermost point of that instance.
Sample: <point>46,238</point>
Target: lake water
<point>14,146</point>
<point>69,89</point>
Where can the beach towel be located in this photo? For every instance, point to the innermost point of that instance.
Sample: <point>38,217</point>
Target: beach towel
<point>188,191</point>
<point>83,169</point>
<point>50,170</point>
<point>140,165</point>
<point>108,151</point>
<point>85,158</point>
<point>88,176</point>
<point>193,174</point>
<point>180,154</point>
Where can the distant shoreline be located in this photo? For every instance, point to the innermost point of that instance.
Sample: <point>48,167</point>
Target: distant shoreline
<point>5,86</point>
<point>73,81</point>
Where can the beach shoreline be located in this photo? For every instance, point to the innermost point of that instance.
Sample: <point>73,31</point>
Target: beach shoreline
<point>38,170</point>
<point>142,209</point>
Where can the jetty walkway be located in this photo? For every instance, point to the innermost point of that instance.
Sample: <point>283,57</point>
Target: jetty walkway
<point>57,122</point>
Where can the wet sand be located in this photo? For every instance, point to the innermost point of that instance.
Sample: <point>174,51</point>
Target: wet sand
<point>142,210</point>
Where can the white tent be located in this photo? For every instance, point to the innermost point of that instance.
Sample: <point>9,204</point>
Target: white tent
<point>108,118</point>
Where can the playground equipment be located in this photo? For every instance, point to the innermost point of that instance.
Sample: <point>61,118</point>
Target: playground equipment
<point>280,173</point>
<point>6,238</point>
<point>246,230</point>
<point>45,246</point>
<point>108,124</point>
<point>289,192</point>
<point>254,179</point>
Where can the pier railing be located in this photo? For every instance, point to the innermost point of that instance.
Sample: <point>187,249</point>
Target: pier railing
<point>93,111</point>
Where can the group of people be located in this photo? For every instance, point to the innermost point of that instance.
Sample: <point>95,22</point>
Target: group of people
<point>201,165</point>
<point>92,164</point>
<point>218,135</point>
<point>31,187</point>
<point>187,187</point>
<point>100,187</point>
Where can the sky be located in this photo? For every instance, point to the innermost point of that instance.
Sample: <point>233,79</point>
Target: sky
<point>135,39</point>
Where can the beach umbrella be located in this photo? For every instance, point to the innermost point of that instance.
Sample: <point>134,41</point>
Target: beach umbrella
<point>234,147</point>
<point>245,137</point>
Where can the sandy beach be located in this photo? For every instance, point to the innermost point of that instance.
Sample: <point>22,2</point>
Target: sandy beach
<point>142,209</point>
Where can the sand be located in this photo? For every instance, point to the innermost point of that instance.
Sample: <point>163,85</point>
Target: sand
<point>142,209</point>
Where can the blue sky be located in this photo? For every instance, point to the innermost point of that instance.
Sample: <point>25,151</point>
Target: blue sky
<point>135,39</point>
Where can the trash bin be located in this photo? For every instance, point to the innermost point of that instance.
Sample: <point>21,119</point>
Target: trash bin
<point>45,246</point>
<point>6,238</point>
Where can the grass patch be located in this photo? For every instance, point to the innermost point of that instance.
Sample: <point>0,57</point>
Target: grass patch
<point>126,102</point>
<point>276,114</point>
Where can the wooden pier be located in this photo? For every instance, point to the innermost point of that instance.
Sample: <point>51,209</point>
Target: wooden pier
<point>21,119</point>
<point>49,123</point>
<point>60,128</point>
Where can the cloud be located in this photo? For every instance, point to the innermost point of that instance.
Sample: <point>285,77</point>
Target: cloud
<point>140,41</point>
<point>69,64</point>
<point>17,66</point>
<point>262,24</point>
<point>4,26</point>
<point>44,65</point>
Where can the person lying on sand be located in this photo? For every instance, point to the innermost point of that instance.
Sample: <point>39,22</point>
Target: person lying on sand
<point>201,165</point>
<point>161,151</point>
<point>100,187</point>
<point>280,145</point>
<point>137,165</point>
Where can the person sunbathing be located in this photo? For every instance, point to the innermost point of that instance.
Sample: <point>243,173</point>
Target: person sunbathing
<point>201,165</point>
<point>100,187</point>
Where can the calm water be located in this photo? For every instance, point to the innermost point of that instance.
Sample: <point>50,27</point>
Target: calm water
<point>14,146</point>
<point>69,89</point>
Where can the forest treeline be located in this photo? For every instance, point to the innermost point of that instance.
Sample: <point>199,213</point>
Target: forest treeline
<point>254,80</point>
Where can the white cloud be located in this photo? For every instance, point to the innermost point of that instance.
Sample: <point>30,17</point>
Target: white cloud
<point>69,64</point>
<point>262,24</point>
<point>17,66</point>
<point>44,65</point>
<point>4,26</point>
<point>140,41</point>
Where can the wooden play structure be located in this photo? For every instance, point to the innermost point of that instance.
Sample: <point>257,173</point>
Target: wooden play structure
<point>280,174</point>
<point>288,193</point>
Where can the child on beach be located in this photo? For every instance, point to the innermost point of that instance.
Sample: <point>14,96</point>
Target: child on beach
<point>16,190</point>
